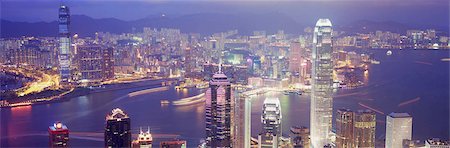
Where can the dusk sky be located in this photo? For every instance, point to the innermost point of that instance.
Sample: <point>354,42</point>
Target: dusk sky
<point>415,12</point>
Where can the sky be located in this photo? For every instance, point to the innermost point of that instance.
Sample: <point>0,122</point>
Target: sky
<point>421,12</point>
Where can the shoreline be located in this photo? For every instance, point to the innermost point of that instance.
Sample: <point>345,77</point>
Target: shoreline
<point>81,91</point>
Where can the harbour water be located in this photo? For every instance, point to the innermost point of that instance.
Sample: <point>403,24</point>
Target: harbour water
<point>412,81</point>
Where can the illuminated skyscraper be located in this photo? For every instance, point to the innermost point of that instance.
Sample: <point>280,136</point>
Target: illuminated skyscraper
<point>271,120</point>
<point>58,135</point>
<point>321,80</point>
<point>117,130</point>
<point>295,57</point>
<point>144,140</point>
<point>398,129</point>
<point>344,128</point>
<point>218,111</point>
<point>364,128</point>
<point>242,120</point>
<point>64,44</point>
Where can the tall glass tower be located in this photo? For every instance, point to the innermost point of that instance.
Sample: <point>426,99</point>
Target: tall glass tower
<point>219,112</point>
<point>271,120</point>
<point>64,43</point>
<point>321,92</point>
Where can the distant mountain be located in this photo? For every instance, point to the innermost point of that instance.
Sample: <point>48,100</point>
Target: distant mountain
<point>366,26</point>
<point>204,23</point>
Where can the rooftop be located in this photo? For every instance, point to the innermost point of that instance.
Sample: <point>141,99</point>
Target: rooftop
<point>399,115</point>
<point>324,23</point>
<point>116,114</point>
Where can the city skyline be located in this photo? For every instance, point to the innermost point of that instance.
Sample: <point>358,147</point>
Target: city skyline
<point>321,85</point>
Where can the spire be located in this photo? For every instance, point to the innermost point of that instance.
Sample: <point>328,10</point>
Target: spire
<point>140,129</point>
<point>148,129</point>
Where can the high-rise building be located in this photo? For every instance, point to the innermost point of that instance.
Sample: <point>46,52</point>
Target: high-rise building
<point>271,120</point>
<point>398,129</point>
<point>218,111</point>
<point>322,81</point>
<point>64,44</point>
<point>58,135</point>
<point>300,137</point>
<point>117,130</point>
<point>436,143</point>
<point>344,128</point>
<point>108,63</point>
<point>144,140</point>
<point>173,144</point>
<point>95,63</point>
<point>90,62</point>
<point>364,128</point>
<point>242,118</point>
<point>295,57</point>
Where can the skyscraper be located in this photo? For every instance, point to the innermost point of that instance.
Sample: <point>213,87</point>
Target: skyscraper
<point>364,128</point>
<point>144,140</point>
<point>344,128</point>
<point>300,137</point>
<point>271,120</point>
<point>321,91</point>
<point>398,129</point>
<point>64,44</point>
<point>295,57</point>
<point>117,130</point>
<point>58,135</point>
<point>242,120</point>
<point>218,111</point>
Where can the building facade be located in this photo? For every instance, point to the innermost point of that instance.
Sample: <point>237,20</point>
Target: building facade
<point>219,112</point>
<point>117,130</point>
<point>144,140</point>
<point>344,128</point>
<point>271,120</point>
<point>398,129</point>
<point>58,135</point>
<point>364,128</point>
<point>64,44</point>
<point>321,80</point>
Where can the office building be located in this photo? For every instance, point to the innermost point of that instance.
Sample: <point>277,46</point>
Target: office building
<point>58,135</point>
<point>364,128</point>
<point>117,130</point>
<point>173,144</point>
<point>218,111</point>
<point>64,44</point>
<point>271,120</point>
<point>398,129</point>
<point>144,140</point>
<point>295,57</point>
<point>344,128</point>
<point>437,143</point>
<point>242,129</point>
<point>95,63</point>
<point>321,80</point>
<point>108,63</point>
<point>300,137</point>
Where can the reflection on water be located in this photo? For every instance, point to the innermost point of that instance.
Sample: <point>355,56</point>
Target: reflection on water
<point>392,86</point>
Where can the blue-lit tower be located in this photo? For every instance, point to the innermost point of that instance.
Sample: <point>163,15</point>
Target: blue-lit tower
<point>64,43</point>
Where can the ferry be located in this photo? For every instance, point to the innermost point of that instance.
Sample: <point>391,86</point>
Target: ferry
<point>389,52</point>
<point>165,102</point>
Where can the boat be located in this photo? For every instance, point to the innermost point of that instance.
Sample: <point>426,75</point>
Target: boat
<point>165,102</point>
<point>389,52</point>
